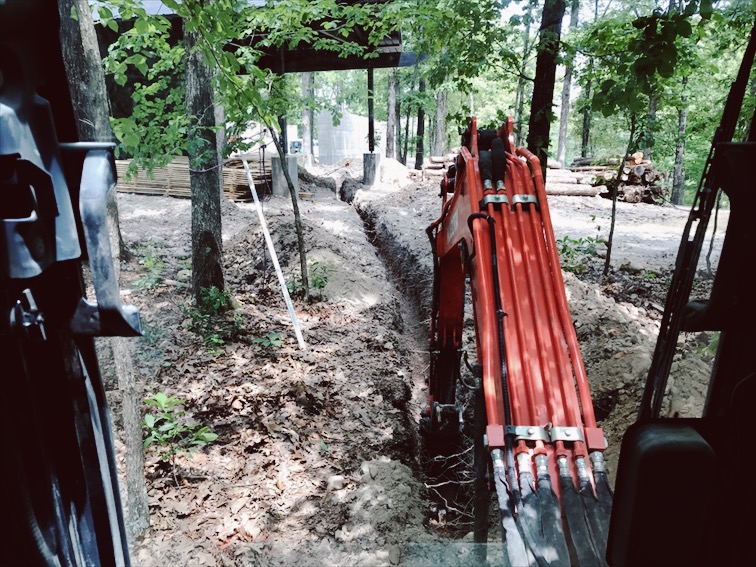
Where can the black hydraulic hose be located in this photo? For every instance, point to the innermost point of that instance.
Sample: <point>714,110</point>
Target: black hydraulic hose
<point>500,314</point>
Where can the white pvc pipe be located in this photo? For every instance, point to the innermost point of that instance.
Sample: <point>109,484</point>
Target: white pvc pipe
<point>273,255</point>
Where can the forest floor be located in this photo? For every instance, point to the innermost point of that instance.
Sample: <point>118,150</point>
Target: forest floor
<point>318,460</point>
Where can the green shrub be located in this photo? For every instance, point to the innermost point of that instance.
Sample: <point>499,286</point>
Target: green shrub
<point>154,274</point>
<point>170,431</point>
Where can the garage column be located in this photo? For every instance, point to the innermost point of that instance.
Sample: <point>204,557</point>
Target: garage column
<point>370,161</point>
<point>280,187</point>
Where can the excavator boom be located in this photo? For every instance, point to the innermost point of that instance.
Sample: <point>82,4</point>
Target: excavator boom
<point>545,448</point>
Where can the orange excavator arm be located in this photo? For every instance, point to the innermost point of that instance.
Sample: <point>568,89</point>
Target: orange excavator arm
<point>545,448</point>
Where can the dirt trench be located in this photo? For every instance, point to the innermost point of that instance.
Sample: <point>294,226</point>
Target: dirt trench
<point>318,461</point>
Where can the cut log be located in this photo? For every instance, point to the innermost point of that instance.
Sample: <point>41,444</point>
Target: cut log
<point>577,189</point>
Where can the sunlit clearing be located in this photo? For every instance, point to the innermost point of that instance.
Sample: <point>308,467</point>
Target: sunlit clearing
<point>336,226</point>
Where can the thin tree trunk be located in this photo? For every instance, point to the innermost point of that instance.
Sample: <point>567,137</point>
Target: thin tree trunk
<point>86,81</point>
<point>420,129</point>
<point>398,148</point>
<point>586,131</point>
<point>617,180</point>
<point>392,112</point>
<point>307,118</point>
<point>405,141</point>
<point>650,133</point>
<point>295,206</point>
<point>204,174</point>
<point>543,87</point>
<point>522,79</point>
<point>439,140</point>
<point>678,178</point>
<point>564,114</point>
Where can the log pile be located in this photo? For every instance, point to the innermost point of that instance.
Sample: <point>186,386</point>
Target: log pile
<point>173,180</point>
<point>566,182</point>
<point>639,180</point>
<point>437,166</point>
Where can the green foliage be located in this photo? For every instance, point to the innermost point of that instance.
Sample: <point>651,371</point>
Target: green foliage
<point>154,266</point>
<point>270,340</point>
<point>319,275</point>
<point>214,319</point>
<point>170,431</point>
<point>157,128</point>
<point>573,252</point>
<point>708,344</point>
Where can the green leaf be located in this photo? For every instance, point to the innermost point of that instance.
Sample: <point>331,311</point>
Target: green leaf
<point>323,446</point>
<point>141,26</point>
<point>74,14</point>
<point>112,25</point>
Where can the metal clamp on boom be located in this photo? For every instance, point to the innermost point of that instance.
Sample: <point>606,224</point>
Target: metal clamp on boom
<point>571,434</point>
<point>106,317</point>
<point>499,199</point>
<point>528,432</point>
<point>524,200</point>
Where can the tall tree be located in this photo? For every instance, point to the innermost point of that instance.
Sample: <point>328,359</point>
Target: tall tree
<point>307,117</point>
<point>392,113</point>
<point>522,79</point>
<point>420,126</point>
<point>564,113</point>
<point>543,88</point>
<point>585,131</point>
<point>205,171</point>
<point>678,175</point>
<point>439,138</point>
<point>86,82</point>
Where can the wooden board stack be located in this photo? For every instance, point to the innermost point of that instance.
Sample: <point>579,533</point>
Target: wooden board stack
<point>173,180</point>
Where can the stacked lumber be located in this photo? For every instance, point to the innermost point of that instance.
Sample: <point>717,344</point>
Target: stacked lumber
<point>173,180</point>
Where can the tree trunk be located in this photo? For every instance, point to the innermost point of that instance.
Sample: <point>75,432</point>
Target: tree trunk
<point>543,87</point>
<point>420,129</point>
<point>616,181</point>
<point>86,82</point>
<point>295,206</point>
<point>392,112</point>
<point>405,141</point>
<point>678,178</point>
<point>586,130</point>
<point>650,130</point>
<point>307,118</point>
<point>522,80</point>
<point>564,114</point>
<point>204,173</point>
<point>439,140</point>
